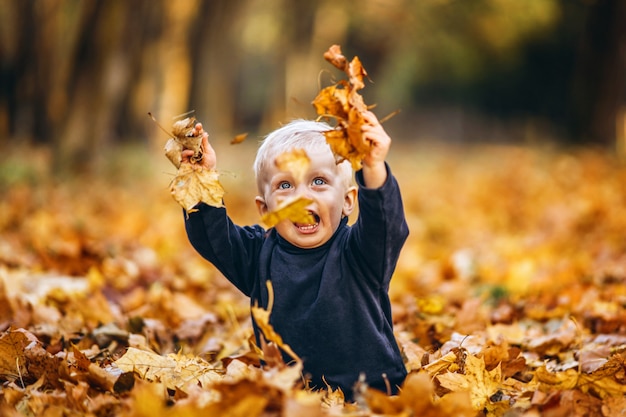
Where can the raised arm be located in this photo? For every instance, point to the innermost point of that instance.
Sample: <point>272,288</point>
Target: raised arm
<point>374,169</point>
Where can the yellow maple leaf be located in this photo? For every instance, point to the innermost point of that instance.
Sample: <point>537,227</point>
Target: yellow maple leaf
<point>296,161</point>
<point>480,383</point>
<point>191,186</point>
<point>293,209</point>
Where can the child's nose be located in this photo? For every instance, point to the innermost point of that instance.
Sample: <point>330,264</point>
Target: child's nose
<point>304,190</point>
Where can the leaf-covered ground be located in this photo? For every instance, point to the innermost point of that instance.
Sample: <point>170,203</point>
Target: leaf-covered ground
<point>509,298</point>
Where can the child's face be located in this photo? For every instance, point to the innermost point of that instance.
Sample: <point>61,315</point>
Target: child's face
<point>322,183</point>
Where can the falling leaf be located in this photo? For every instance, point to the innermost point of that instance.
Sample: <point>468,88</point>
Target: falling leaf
<point>239,138</point>
<point>296,162</point>
<point>292,209</point>
<point>262,319</point>
<point>192,186</point>
<point>334,56</point>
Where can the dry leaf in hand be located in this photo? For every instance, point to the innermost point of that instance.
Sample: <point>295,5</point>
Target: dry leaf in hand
<point>185,133</point>
<point>343,103</point>
<point>191,186</point>
<point>296,161</point>
<point>334,56</point>
<point>332,101</point>
<point>185,136</point>
<point>293,209</point>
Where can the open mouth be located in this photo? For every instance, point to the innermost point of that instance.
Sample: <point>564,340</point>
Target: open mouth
<point>309,227</point>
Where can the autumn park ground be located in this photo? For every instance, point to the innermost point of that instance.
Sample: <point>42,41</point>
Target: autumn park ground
<point>508,298</point>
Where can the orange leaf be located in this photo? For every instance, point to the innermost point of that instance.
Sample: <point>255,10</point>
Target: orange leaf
<point>262,320</point>
<point>334,56</point>
<point>239,138</point>
<point>332,101</point>
<point>12,357</point>
<point>345,105</point>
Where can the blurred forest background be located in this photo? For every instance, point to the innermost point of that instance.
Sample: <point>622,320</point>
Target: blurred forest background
<point>77,77</point>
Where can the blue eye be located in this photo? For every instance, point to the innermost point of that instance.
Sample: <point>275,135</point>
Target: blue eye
<point>319,181</point>
<point>284,185</point>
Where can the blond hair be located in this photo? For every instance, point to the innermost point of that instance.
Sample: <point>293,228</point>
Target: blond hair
<point>299,133</point>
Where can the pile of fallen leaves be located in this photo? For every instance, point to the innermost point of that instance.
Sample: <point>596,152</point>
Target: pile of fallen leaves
<point>508,298</point>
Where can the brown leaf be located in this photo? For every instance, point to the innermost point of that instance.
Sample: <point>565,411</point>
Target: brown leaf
<point>185,137</point>
<point>356,72</point>
<point>173,152</point>
<point>185,134</point>
<point>335,57</point>
<point>12,357</point>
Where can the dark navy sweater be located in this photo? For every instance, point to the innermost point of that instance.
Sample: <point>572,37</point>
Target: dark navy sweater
<point>331,303</point>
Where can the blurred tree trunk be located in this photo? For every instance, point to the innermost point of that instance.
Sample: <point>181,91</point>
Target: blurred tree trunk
<point>600,81</point>
<point>217,62</point>
<point>321,25</point>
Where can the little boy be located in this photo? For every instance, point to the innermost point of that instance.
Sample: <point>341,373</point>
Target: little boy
<point>330,280</point>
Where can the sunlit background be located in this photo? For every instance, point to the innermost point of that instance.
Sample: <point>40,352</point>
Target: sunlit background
<point>508,145</point>
<point>80,76</point>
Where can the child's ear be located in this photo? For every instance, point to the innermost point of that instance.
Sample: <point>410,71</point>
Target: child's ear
<point>261,205</point>
<point>349,201</point>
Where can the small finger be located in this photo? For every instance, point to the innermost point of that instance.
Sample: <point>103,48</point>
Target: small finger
<point>198,129</point>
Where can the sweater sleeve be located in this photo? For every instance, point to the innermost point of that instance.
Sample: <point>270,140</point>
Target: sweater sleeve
<point>380,231</point>
<point>232,249</point>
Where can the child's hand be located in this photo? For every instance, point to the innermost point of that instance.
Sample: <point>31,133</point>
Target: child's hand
<point>374,170</point>
<point>209,159</point>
